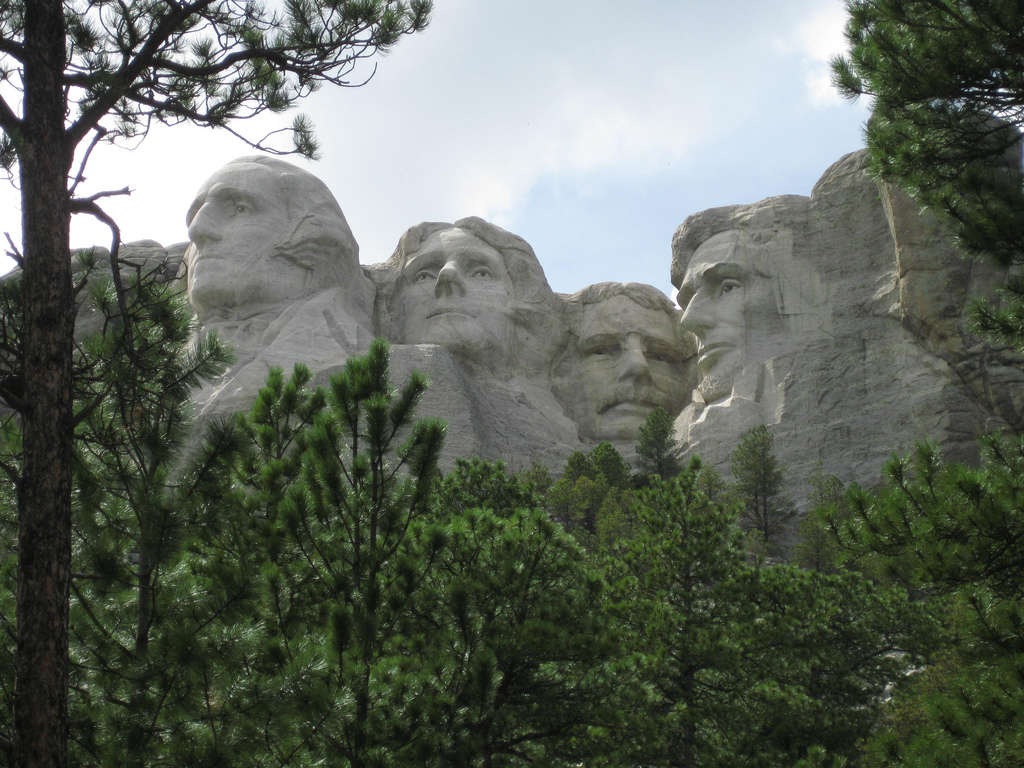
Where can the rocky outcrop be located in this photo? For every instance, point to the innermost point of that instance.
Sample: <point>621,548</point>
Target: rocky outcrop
<point>849,334</point>
<point>839,319</point>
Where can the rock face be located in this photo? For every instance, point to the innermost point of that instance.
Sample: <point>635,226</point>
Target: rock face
<point>838,319</point>
<point>273,268</point>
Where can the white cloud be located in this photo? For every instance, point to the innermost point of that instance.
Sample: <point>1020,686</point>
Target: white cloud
<point>473,120</point>
<point>496,98</point>
<point>816,39</point>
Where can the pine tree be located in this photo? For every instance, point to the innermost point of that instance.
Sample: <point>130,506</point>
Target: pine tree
<point>759,484</point>
<point>669,579</point>
<point>135,610</point>
<point>816,547</point>
<point>593,496</point>
<point>479,484</point>
<point>657,446</point>
<point>85,71</point>
<point>946,121</point>
<point>954,535</point>
<point>339,487</point>
<point>520,645</point>
<point>745,666</point>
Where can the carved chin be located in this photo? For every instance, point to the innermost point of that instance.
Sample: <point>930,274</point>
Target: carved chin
<point>714,388</point>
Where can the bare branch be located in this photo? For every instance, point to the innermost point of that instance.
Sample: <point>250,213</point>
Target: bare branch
<point>90,207</point>
<point>80,176</point>
<point>9,122</point>
<point>258,144</point>
<point>99,196</point>
<point>14,253</point>
<point>12,48</point>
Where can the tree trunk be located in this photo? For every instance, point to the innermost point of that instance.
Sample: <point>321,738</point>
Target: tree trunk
<point>44,493</point>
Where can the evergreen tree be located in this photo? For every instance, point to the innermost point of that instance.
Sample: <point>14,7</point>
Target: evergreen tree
<point>85,71</point>
<point>519,644</point>
<point>816,547</point>
<point>657,446</point>
<point>576,505</point>
<point>136,616</point>
<point>954,535</point>
<point>593,496</point>
<point>759,484</point>
<point>340,505</point>
<point>537,477</point>
<point>743,666</point>
<point>478,484</point>
<point>669,580</point>
<point>945,80</point>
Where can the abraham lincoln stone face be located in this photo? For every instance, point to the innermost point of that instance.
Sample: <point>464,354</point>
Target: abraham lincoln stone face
<point>730,306</point>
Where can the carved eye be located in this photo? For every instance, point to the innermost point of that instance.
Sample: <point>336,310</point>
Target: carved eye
<point>728,285</point>
<point>603,350</point>
<point>481,273</point>
<point>658,355</point>
<point>241,207</point>
<point>423,276</point>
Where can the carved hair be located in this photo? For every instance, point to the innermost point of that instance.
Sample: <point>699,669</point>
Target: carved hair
<point>759,222</point>
<point>646,296</point>
<point>528,281</point>
<point>319,236</point>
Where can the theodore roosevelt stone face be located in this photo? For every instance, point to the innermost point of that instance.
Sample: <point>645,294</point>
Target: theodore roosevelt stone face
<point>630,359</point>
<point>729,305</point>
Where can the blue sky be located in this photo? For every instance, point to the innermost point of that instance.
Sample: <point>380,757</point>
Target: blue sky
<point>591,128</point>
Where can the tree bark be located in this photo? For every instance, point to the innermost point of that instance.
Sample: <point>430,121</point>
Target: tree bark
<point>44,494</point>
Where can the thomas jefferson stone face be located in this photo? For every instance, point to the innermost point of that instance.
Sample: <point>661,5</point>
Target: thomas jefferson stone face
<point>630,363</point>
<point>729,307</point>
<point>242,230</point>
<point>457,292</point>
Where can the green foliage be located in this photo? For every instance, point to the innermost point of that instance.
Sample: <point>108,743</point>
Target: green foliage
<point>211,63</point>
<point>139,649</point>
<point>954,534</point>
<point>945,78</point>
<point>343,550</point>
<point>940,72</point>
<point>86,71</point>
<point>743,666</point>
<point>657,446</point>
<point>521,671</point>
<point>537,478</point>
<point>475,483</point>
<point>759,486</point>
<point>816,546</point>
<point>609,463</point>
<point>593,497</point>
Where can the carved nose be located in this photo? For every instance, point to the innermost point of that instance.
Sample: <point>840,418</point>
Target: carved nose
<point>633,364</point>
<point>202,229</point>
<point>696,318</point>
<point>449,282</point>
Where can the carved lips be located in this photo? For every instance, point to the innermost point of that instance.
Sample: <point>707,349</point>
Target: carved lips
<point>709,354</point>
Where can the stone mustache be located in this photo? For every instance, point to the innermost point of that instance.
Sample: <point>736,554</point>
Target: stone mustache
<point>839,319</point>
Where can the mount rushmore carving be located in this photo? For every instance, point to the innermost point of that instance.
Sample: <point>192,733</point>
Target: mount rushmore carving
<point>837,319</point>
